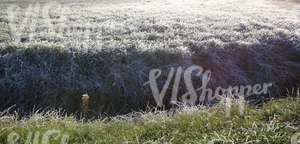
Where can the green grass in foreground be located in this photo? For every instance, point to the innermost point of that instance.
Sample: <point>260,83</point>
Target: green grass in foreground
<point>275,122</point>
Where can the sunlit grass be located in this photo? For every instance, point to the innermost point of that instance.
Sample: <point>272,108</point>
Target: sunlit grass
<point>274,122</point>
<point>241,42</point>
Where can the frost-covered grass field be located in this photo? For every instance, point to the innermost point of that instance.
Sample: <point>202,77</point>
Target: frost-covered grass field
<point>107,48</point>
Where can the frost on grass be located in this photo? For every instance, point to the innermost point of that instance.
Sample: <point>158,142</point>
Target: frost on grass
<point>241,42</point>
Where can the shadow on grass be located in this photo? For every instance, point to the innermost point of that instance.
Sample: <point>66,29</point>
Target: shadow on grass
<point>46,76</point>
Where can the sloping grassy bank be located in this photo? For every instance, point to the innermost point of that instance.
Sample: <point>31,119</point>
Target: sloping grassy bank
<point>274,122</point>
<point>241,42</point>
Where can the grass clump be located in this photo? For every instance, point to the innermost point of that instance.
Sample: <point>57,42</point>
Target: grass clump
<point>274,122</point>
